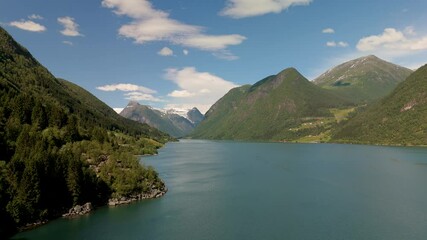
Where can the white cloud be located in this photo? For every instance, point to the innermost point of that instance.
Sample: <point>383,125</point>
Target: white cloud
<point>71,28</point>
<point>211,42</point>
<point>165,52</point>
<point>186,52</point>
<point>250,8</point>
<point>389,36</point>
<point>28,25</point>
<point>126,87</point>
<point>68,43</point>
<point>336,44</point>
<point>157,29</point>
<point>328,30</point>
<point>118,110</point>
<point>181,94</point>
<point>132,92</point>
<point>139,96</point>
<point>410,30</point>
<point>35,17</point>
<point>393,43</point>
<point>149,24</point>
<point>342,44</point>
<point>226,55</point>
<point>331,44</point>
<point>134,8</point>
<point>196,89</point>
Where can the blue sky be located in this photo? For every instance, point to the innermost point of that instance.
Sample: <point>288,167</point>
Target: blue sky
<point>187,53</point>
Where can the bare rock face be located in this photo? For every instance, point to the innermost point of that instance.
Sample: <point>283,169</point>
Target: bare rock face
<point>79,210</point>
<point>154,192</point>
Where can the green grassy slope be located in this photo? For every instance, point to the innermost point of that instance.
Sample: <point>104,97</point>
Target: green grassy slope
<point>364,79</point>
<point>268,109</point>
<point>398,119</point>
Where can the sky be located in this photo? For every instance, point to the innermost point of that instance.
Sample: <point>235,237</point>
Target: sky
<point>189,53</point>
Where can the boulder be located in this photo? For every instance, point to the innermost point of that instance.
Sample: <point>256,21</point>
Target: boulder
<point>79,210</point>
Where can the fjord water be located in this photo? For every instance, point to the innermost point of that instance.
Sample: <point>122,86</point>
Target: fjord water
<point>235,190</point>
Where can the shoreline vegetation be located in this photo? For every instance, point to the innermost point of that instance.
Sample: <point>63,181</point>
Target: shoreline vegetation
<point>63,151</point>
<point>118,178</point>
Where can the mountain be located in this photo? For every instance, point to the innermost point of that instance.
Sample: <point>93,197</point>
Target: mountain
<point>61,146</point>
<point>195,116</point>
<point>176,123</point>
<point>281,107</point>
<point>23,73</point>
<point>364,79</point>
<point>398,119</point>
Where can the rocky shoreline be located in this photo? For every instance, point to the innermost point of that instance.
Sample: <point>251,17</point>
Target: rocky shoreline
<point>154,193</point>
<point>86,208</point>
<point>32,225</point>
<point>79,210</point>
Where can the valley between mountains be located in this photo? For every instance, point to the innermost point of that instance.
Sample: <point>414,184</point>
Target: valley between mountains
<point>365,100</point>
<point>61,147</point>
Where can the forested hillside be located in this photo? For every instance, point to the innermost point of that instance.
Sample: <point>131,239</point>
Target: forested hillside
<point>398,119</point>
<point>60,146</point>
<point>276,108</point>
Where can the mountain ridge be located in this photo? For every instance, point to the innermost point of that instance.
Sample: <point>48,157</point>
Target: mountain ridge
<point>364,79</point>
<point>398,119</point>
<point>274,104</point>
<point>171,121</point>
<point>61,146</point>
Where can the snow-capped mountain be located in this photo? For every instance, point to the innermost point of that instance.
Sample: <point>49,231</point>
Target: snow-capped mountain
<point>176,122</point>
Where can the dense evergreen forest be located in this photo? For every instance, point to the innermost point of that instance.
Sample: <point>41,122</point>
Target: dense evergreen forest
<point>61,146</point>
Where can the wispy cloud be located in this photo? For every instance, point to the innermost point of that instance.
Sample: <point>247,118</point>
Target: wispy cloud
<point>181,94</point>
<point>328,30</point>
<point>149,24</point>
<point>132,92</point>
<point>343,44</point>
<point>165,52</point>
<point>226,55</point>
<point>196,89</point>
<point>126,87</point>
<point>71,28</point>
<point>35,17</point>
<point>139,96</point>
<point>251,8</point>
<point>331,44</point>
<point>68,43</point>
<point>336,44</point>
<point>28,25</point>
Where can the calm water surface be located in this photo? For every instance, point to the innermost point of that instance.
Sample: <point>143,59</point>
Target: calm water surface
<point>232,190</point>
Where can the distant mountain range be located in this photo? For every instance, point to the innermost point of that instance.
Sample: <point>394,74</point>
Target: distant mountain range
<point>177,123</point>
<point>364,79</point>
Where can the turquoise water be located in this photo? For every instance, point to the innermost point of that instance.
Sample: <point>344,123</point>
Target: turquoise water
<point>233,190</point>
